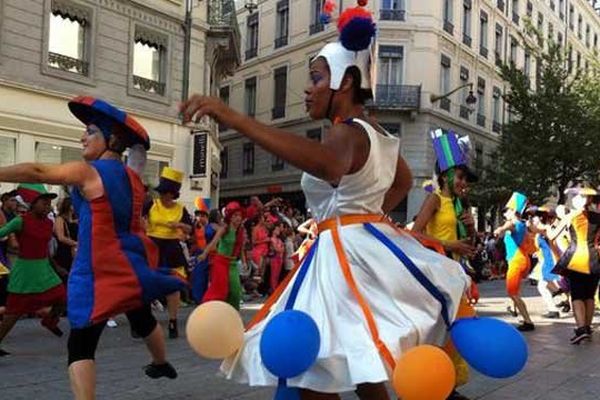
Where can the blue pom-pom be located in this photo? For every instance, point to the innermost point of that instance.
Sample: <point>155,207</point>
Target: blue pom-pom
<point>325,18</point>
<point>357,34</point>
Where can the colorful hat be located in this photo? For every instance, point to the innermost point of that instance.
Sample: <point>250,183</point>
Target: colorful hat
<point>357,29</point>
<point>230,209</point>
<point>452,152</point>
<point>581,191</point>
<point>170,181</point>
<point>517,202</point>
<point>89,110</point>
<point>30,192</point>
<point>202,204</point>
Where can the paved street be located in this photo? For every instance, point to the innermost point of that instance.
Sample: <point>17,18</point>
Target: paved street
<point>37,368</point>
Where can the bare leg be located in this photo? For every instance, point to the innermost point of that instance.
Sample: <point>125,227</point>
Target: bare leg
<point>310,395</point>
<point>173,304</point>
<point>8,322</point>
<point>589,311</point>
<point>372,391</point>
<point>83,379</point>
<point>520,305</point>
<point>155,342</point>
<point>580,313</point>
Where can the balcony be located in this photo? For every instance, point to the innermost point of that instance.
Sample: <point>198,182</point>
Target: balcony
<point>224,33</point>
<point>499,60</point>
<point>516,18</point>
<point>448,27</point>
<point>496,126</point>
<point>467,39</point>
<point>481,120</point>
<point>464,112</point>
<point>445,104</point>
<point>483,51</point>
<point>392,15</point>
<point>281,41</point>
<point>316,28</point>
<point>68,64</point>
<point>278,112</point>
<point>251,53</point>
<point>402,97</point>
<point>148,85</point>
<point>501,5</point>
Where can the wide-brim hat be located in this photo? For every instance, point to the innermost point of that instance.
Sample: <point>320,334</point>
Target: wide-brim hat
<point>452,152</point>
<point>30,192</point>
<point>581,191</point>
<point>87,108</point>
<point>170,181</point>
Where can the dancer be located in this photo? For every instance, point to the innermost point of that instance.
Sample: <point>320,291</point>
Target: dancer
<point>351,179</point>
<point>113,270</point>
<point>224,278</point>
<point>166,220</point>
<point>444,216</point>
<point>65,231</point>
<point>201,258</point>
<point>580,262</point>
<point>519,247</point>
<point>278,250</point>
<point>34,286</point>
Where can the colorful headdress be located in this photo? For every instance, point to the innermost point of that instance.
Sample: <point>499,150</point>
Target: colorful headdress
<point>170,181</point>
<point>30,192</point>
<point>452,151</point>
<point>517,202</point>
<point>230,209</point>
<point>357,29</point>
<point>202,204</point>
<point>90,110</point>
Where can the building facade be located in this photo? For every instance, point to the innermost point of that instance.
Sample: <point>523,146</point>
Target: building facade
<point>424,50</point>
<point>143,56</point>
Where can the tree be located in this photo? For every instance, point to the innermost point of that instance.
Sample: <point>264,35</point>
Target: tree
<point>548,142</point>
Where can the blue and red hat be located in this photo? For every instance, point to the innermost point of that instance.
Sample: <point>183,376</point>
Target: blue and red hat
<point>91,110</point>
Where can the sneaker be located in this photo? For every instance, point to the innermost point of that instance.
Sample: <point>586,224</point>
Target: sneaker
<point>4,353</point>
<point>456,396</point>
<point>551,315</point>
<point>526,327</point>
<point>157,306</point>
<point>566,306</point>
<point>155,371</point>
<point>580,334</point>
<point>111,323</point>
<point>512,312</point>
<point>589,330</point>
<point>51,323</point>
<point>173,331</point>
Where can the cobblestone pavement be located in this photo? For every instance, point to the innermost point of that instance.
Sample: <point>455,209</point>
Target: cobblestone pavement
<point>37,368</point>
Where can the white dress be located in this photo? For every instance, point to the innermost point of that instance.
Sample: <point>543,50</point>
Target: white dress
<point>405,312</point>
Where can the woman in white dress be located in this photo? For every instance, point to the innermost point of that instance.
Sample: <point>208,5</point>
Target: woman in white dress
<point>373,291</point>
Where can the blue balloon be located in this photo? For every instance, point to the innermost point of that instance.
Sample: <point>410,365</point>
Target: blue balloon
<point>287,393</point>
<point>492,347</point>
<point>290,344</point>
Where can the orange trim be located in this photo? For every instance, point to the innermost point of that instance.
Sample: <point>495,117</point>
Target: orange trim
<point>350,219</point>
<point>383,350</point>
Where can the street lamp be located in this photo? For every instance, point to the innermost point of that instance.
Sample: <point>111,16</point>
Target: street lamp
<point>470,100</point>
<point>251,6</point>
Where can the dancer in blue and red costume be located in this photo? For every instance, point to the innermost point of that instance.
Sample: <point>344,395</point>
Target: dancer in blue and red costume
<point>115,267</point>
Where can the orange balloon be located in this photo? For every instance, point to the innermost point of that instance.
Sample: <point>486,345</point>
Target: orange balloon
<point>215,330</point>
<point>465,310</point>
<point>424,373</point>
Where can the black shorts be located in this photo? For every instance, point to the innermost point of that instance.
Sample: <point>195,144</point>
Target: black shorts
<point>583,286</point>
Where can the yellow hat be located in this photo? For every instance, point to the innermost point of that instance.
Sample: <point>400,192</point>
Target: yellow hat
<point>172,174</point>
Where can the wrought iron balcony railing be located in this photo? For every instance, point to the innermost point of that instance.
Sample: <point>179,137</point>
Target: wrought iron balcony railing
<point>464,112</point>
<point>251,53</point>
<point>483,51</point>
<point>68,64</point>
<point>404,97</point>
<point>281,41</point>
<point>278,112</point>
<point>481,120</point>
<point>445,104</point>
<point>392,15</point>
<point>448,27</point>
<point>148,85</point>
<point>467,39</point>
<point>496,126</point>
<point>316,28</point>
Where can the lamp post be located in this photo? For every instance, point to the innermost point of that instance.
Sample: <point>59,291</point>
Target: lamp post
<point>251,6</point>
<point>470,100</point>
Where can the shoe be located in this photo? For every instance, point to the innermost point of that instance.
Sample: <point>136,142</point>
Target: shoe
<point>512,312</point>
<point>4,353</point>
<point>51,323</point>
<point>580,334</point>
<point>155,371</point>
<point>589,330</point>
<point>157,306</point>
<point>526,327</point>
<point>111,323</point>
<point>558,293</point>
<point>456,396</point>
<point>173,331</point>
<point>551,315</point>
<point>565,305</point>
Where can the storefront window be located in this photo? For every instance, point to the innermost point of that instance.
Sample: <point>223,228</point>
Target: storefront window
<point>47,153</point>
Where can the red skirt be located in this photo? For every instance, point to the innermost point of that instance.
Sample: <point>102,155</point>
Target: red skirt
<point>26,303</point>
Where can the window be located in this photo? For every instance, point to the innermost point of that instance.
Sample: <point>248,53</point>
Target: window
<point>478,158</point>
<point>316,26</point>
<point>250,96</point>
<point>282,24</point>
<point>392,128</point>
<point>449,16</point>
<point>595,40</point>
<point>445,82</point>
<point>515,11</point>
<point>248,159</point>
<point>314,134</point>
<point>279,95</point>
<point>559,39</point>
<point>152,172</point>
<point>49,153</point>
<point>392,10</point>
<point>580,26</point>
<point>529,9</point>
<point>277,164</point>
<point>500,5</point>
<point>497,110</point>
<point>252,36</point>
<point>498,48</point>
<point>224,162</point>
<point>572,17</point>
<point>149,50</point>
<point>8,151</point>
<point>514,47</point>
<point>390,65</point>
<point>481,102</point>
<point>527,65</point>
<point>587,35</point>
<point>68,37</point>
<point>561,9</point>
<point>570,59</point>
<point>464,78</point>
<point>467,22</point>
<point>552,5</point>
<point>578,60</point>
<point>483,34</point>
<point>224,96</point>
<point>550,32</point>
